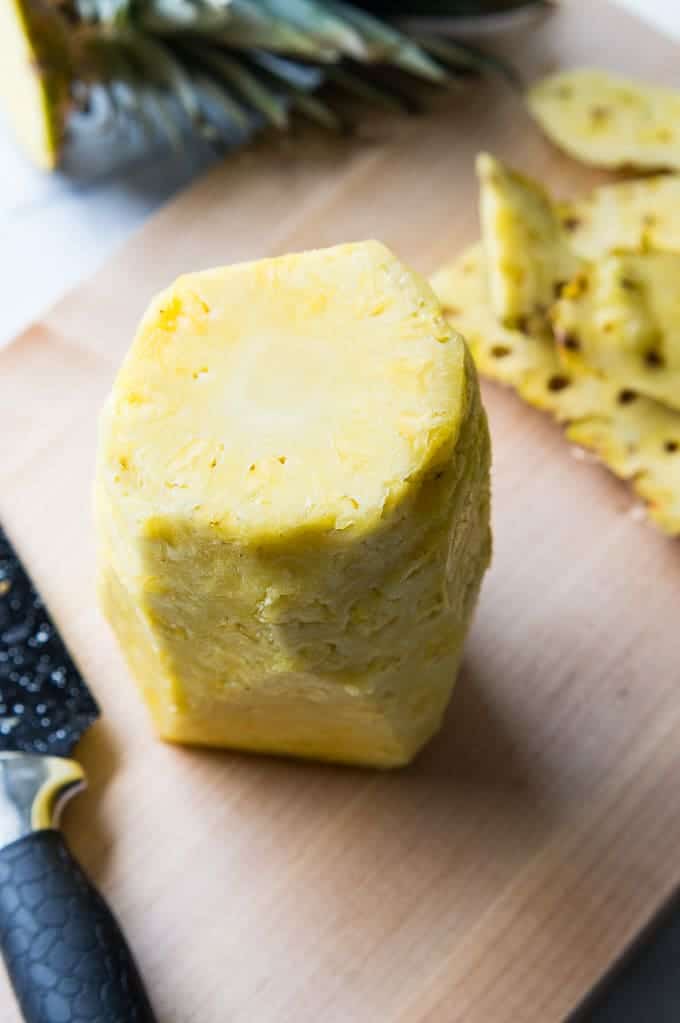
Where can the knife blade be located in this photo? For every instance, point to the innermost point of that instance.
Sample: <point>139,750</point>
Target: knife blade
<point>65,954</point>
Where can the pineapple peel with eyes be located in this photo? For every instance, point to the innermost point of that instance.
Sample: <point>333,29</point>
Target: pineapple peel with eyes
<point>608,120</point>
<point>621,317</point>
<point>640,214</point>
<point>636,438</point>
<point>527,363</point>
<point>526,250</point>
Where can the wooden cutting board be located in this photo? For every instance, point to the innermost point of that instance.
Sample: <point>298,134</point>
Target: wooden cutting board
<point>497,877</point>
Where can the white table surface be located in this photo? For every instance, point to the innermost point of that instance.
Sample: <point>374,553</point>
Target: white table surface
<point>54,233</point>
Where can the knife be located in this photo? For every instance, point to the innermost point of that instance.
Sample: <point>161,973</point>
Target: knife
<point>65,954</point>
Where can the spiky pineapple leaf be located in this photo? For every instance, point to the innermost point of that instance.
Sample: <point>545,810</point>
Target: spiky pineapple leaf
<point>385,43</point>
<point>299,76</point>
<point>318,19</point>
<point>467,58</point>
<point>162,66</point>
<point>248,87</point>
<point>225,120</point>
<point>318,112</point>
<point>255,30</point>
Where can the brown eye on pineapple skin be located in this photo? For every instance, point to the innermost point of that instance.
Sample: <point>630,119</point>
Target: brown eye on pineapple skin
<point>626,396</point>
<point>570,342</point>
<point>600,114</point>
<point>654,359</point>
<point>558,382</point>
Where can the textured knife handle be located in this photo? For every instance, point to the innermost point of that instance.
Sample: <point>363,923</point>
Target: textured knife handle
<point>65,954</point>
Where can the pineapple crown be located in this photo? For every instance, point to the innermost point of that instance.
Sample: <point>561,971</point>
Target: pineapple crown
<point>222,69</point>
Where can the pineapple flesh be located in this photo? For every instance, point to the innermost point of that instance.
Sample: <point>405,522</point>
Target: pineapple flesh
<point>608,120</point>
<point>292,500</point>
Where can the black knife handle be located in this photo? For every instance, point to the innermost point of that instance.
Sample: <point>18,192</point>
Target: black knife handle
<point>65,954</point>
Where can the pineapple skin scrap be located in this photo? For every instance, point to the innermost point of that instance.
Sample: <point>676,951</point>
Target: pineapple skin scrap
<point>527,254</point>
<point>292,501</point>
<point>528,364</point>
<point>638,439</point>
<point>608,120</point>
<point>620,316</point>
<point>643,214</point>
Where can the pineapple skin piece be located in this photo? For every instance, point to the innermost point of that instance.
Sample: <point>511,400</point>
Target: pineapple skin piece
<point>621,317</point>
<point>527,253</point>
<point>292,501</point>
<point>636,438</point>
<point>640,214</point>
<point>608,120</point>
<point>528,363</point>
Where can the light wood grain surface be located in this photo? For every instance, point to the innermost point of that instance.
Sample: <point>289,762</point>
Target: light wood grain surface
<point>496,878</point>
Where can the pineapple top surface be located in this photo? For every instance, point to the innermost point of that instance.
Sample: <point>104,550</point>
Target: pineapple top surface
<point>306,392</point>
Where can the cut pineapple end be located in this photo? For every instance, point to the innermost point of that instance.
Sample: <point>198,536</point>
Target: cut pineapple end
<point>25,91</point>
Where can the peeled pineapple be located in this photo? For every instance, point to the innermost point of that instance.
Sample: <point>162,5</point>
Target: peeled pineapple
<point>527,255</point>
<point>607,120</point>
<point>292,498</point>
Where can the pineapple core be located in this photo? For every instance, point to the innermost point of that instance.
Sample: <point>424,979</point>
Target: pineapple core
<point>292,501</point>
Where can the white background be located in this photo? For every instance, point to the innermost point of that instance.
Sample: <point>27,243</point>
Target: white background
<point>53,234</point>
